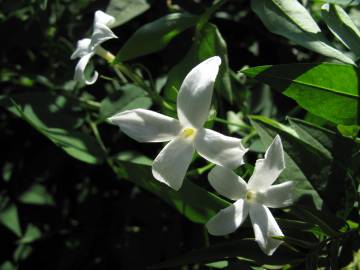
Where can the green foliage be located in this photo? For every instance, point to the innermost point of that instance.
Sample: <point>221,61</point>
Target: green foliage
<point>290,19</point>
<point>154,36</point>
<point>326,90</point>
<point>77,193</point>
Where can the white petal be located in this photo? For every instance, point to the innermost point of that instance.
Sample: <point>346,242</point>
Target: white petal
<point>278,196</point>
<point>147,126</point>
<point>171,165</point>
<point>194,98</point>
<point>219,149</point>
<point>101,33</point>
<point>83,48</point>
<point>227,183</point>
<point>103,18</point>
<point>268,169</point>
<point>228,219</point>
<point>80,70</point>
<point>265,226</point>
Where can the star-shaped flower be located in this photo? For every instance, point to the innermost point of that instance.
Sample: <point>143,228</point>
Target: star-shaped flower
<point>87,47</point>
<point>187,133</point>
<point>253,198</point>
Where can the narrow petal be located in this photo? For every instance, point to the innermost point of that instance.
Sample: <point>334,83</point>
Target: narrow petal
<point>228,219</point>
<point>146,126</point>
<point>103,18</point>
<point>278,196</point>
<point>220,149</point>
<point>83,48</point>
<point>227,183</point>
<point>101,33</point>
<point>171,165</point>
<point>194,98</point>
<point>265,226</point>
<point>268,169</point>
<point>80,70</point>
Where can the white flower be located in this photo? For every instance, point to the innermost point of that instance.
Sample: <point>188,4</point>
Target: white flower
<point>187,133</point>
<point>253,198</point>
<point>87,47</point>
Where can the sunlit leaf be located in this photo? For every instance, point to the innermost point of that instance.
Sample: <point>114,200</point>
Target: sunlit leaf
<point>327,90</point>
<point>290,19</point>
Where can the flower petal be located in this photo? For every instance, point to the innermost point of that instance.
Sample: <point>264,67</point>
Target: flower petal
<point>147,126</point>
<point>268,169</point>
<point>278,196</point>
<point>101,33</point>
<point>83,48</point>
<point>103,18</point>
<point>265,226</point>
<point>194,98</point>
<point>228,219</point>
<point>80,70</point>
<point>227,183</point>
<point>171,165</point>
<point>219,149</point>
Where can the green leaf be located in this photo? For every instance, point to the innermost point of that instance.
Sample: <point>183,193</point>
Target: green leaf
<point>192,201</point>
<point>208,42</point>
<point>7,266</point>
<point>36,108</point>
<point>32,233</point>
<point>246,249</point>
<point>297,158</point>
<point>127,98</point>
<point>342,26</point>
<point>38,195</point>
<point>326,90</point>
<point>316,155</point>
<point>125,10</point>
<point>345,3</point>
<point>290,19</point>
<point>155,36</point>
<point>9,217</point>
<point>340,152</point>
<point>349,131</point>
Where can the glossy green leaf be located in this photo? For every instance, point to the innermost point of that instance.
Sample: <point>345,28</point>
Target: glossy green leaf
<point>125,10</point>
<point>326,90</point>
<point>290,19</point>
<point>208,42</point>
<point>192,201</point>
<point>342,26</point>
<point>127,98</point>
<point>154,36</point>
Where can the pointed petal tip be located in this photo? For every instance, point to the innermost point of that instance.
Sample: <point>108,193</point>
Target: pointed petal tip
<point>216,60</point>
<point>158,177</point>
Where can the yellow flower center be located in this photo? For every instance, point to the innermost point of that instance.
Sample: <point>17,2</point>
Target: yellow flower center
<point>250,196</point>
<point>188,132</point>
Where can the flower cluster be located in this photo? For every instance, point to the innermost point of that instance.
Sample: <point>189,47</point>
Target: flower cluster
<point>186,135</point>
<point>87,47</point>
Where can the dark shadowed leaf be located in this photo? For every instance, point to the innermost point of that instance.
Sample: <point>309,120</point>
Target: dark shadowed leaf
<point>154,36</point>
<point>125,10</point>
